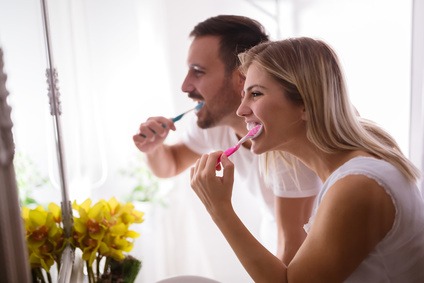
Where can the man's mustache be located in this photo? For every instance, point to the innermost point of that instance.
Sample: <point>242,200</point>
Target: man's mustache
<point>195,95</point>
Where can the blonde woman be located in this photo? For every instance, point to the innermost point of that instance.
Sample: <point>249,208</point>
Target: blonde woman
<point>368,224</point>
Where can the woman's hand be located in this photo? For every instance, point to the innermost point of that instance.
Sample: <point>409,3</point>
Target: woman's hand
<point>214,191</point>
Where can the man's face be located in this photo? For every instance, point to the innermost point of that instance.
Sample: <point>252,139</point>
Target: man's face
<point>207,81</point>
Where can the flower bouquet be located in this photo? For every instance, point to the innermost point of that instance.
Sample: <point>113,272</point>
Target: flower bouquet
<point>101,231</point>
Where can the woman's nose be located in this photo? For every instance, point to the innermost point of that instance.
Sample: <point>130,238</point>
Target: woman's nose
<point>243,109</point>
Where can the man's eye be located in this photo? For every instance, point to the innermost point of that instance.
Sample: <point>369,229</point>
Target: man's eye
<point>198,73</point>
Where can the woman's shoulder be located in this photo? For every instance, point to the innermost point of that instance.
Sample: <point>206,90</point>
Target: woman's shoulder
<point>379,170</point>
<point>364,177</point>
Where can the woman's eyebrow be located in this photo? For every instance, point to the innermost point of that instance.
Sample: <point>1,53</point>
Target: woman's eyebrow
<point>253,86</point>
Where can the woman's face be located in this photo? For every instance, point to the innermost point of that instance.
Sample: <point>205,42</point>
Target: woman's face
<point>264,102</point>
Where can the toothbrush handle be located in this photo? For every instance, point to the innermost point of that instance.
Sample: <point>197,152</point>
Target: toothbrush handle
<point>197,108</point>
<point>177,118</point>
<point>231,150</point>
<point>228,152</point>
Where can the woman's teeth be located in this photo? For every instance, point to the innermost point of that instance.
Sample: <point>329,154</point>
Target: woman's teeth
<point>251,125</point>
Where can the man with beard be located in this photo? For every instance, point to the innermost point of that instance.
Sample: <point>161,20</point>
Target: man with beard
<point>213,78</point>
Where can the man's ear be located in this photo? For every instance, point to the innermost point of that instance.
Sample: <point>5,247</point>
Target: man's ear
<point>304,115</point>
<point>240,78</point>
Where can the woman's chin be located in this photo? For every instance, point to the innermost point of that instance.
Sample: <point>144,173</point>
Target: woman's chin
<point>256,149</point>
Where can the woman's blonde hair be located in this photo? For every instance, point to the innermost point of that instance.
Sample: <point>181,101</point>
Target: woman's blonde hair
<point>310,73</point>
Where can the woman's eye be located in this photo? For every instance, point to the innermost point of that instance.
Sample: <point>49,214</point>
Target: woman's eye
<point>255,94</point>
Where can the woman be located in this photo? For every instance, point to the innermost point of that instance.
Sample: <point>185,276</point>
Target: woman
<point>368,224</point>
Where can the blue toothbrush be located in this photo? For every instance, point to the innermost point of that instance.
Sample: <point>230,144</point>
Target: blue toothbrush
<point>197,108</point>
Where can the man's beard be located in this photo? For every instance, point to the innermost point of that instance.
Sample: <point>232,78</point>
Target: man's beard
<point>224,104</point>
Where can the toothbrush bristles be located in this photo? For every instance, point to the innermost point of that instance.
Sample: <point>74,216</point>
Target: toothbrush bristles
<point>199,106</point>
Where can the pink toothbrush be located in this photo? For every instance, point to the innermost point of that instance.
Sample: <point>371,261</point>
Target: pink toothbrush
<point>253,133</point>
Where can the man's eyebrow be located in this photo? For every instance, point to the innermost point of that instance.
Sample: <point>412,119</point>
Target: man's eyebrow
<point>196,67</point>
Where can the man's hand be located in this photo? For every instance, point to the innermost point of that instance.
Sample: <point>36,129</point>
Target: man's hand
<point>152,133</point>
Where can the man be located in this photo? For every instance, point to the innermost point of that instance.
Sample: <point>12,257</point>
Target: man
<point>214,79</point>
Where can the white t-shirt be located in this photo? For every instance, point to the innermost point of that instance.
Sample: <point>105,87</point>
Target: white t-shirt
<point>301,183</point>
<point>399,257</point>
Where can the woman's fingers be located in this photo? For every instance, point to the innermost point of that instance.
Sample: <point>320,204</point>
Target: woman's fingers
<point>203,174</point>
<point>228,166</point>
<point>204,168</point>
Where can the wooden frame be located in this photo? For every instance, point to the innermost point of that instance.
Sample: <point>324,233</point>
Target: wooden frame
<point>14,263</point>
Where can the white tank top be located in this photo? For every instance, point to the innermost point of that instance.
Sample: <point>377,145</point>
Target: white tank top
<point>399,257</point>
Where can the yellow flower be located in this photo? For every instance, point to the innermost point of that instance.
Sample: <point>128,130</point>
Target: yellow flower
<point>44,235</point>
<point>130,215</point>
<point>103,229</point>
<point>89,228</point>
